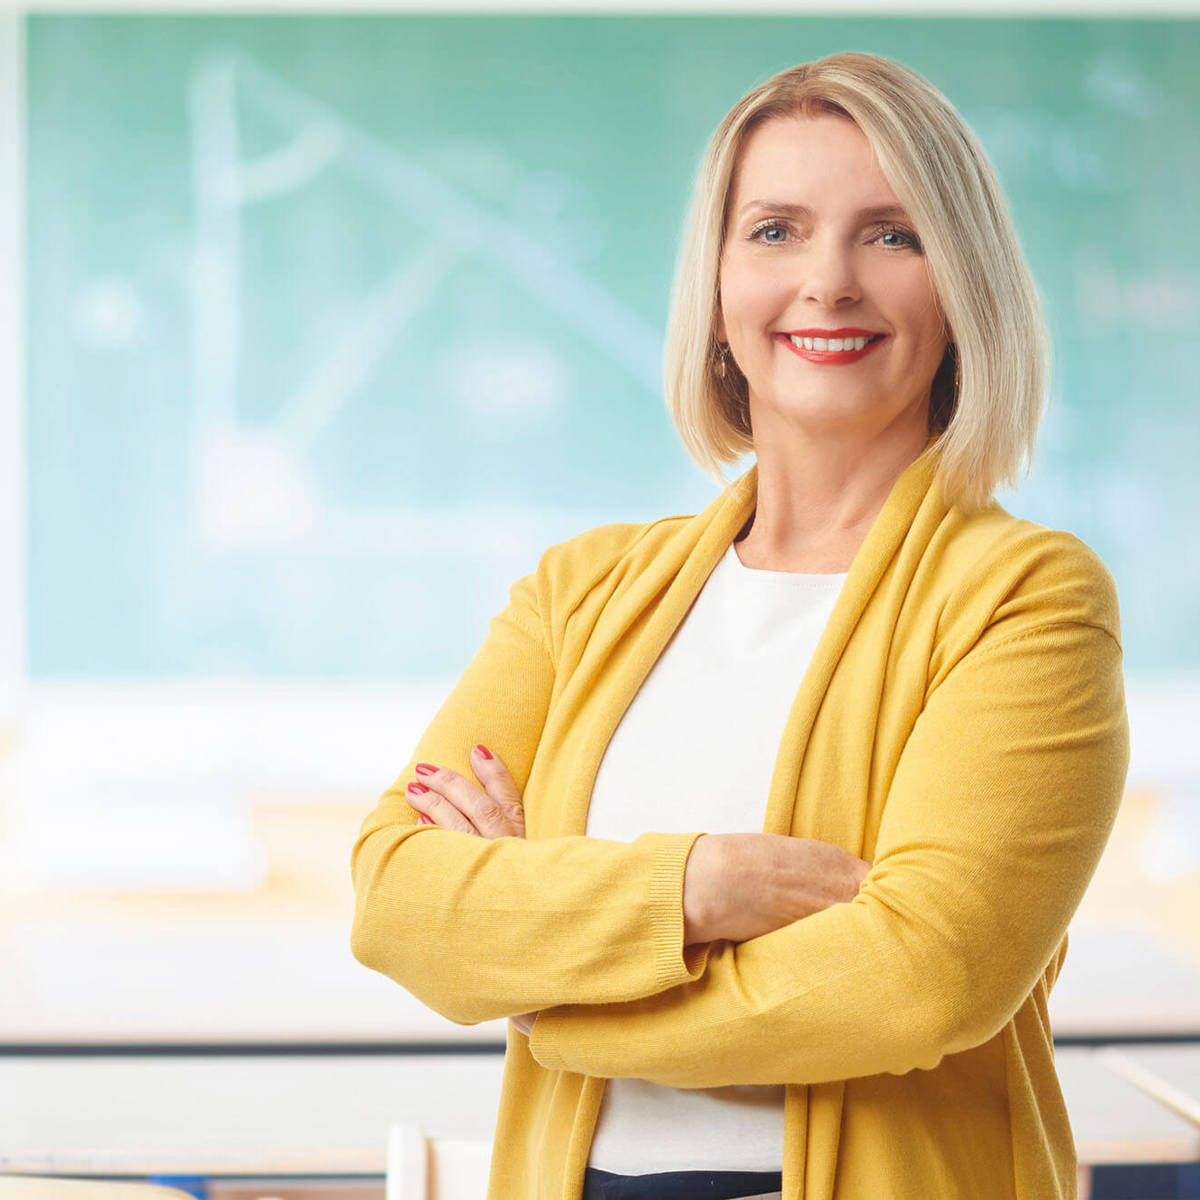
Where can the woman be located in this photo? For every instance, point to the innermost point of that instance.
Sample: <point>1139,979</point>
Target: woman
<point>917,698</point>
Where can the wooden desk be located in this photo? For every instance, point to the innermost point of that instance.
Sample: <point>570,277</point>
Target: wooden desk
<point>193,967</point>
<point>328,1115</point>
<point>1169,1073</point>
<point>234,1115</point>
<point>1115,1121</point>
<point>273,964</point>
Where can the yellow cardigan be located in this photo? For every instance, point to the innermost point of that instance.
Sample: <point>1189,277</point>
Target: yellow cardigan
<point>962,727</point>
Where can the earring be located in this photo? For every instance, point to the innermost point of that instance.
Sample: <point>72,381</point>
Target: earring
<point>721,366</point>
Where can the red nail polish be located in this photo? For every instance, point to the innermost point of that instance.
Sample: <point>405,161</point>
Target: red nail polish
<point>419,788</point>
<point>426,769</point>
<point>484,751</point>
<point>426,820</point>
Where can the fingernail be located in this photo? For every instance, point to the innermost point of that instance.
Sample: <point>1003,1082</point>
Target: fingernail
<point>425,820</point>
<point>483,751</point>
<point>426,769</point>
<point>419,788</point>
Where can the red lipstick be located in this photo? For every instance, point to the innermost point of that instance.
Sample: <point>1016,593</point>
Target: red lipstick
<point>832,358</point>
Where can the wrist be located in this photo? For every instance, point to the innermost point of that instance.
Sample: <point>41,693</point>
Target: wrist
<point>703,893</point>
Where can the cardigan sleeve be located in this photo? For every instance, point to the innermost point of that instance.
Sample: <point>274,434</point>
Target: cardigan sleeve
<point>997,813</point>
<point>480,929</point>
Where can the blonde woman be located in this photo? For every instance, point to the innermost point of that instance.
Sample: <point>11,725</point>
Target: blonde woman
<point>765,825</point>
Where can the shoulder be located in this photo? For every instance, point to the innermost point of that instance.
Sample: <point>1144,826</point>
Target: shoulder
<point>598,550</point>
<point>1003,576</point>
<point>597,559</point>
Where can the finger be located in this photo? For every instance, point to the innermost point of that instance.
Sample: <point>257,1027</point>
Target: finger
<point>434,805</point>
<point>417,805</point>
<point>486,815</point>
<point>500,786</point>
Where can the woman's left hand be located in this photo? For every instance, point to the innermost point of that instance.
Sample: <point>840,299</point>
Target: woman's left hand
<point>494,811</point>
<point>445,798</point>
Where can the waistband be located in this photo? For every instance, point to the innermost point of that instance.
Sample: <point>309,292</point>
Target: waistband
<point>684,1185</point>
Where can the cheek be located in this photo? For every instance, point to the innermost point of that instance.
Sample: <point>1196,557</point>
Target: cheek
<point>920,302</point>
<point>930,306</point>
<point>749,296</point>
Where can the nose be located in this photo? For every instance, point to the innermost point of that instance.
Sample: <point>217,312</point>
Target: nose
<point>828,275</point>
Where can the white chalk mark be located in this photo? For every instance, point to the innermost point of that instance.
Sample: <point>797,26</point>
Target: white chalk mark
<point>286,170</point>
<point>1114,81</point>
<point>617,331</point>
<point>444,215</point>
<point>216,282</point>
<point>254,492</point>
<point>505,390</point>
<point>377,324</point>
<point>108,315</point>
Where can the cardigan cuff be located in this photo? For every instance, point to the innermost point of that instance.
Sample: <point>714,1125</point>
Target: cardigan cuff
<point>674,963</point>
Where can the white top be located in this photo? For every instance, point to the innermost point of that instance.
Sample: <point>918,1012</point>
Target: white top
<point>695,751</point>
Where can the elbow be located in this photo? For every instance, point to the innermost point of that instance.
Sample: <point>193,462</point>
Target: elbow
<point>399,959</point>
<point>930,1018</point>
<point>960,1018</point>
<point>377,937</point>
<point>373,945</point>
<point>417,967</point>
<point>370,937</point>
<point>921,1036</point>
<point>364,943</point>
<point>973,1020</point>
<point>391,935</point>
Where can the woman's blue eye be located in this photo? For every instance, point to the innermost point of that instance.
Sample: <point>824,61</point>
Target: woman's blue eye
<point>907,238</point>
<point>762,231</point>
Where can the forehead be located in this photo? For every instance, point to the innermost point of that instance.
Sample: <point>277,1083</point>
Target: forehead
<point>820,161</point>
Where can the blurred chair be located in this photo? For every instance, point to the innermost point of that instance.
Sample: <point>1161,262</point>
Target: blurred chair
<point>29,1187</point>
<point>422,1168</point>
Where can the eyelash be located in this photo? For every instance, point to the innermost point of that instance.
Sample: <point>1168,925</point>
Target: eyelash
<point>911,238</point>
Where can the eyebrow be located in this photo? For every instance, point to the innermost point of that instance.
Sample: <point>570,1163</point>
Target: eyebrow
<point>878,212</point>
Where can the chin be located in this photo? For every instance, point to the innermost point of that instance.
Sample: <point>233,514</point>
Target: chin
<point>834,410</point>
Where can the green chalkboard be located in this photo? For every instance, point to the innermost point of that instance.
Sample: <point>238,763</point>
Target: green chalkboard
<point>335,322</point>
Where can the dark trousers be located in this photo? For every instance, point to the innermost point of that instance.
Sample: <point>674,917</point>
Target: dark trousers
<point>680,1185</point>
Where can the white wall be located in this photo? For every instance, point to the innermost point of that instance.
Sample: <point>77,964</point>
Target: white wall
<point>949,8</point>
<point>12,437</point>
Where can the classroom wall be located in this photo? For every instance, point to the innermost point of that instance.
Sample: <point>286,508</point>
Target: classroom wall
<point>12,358</point>
<point>227,655</point>
<point>372,299</point>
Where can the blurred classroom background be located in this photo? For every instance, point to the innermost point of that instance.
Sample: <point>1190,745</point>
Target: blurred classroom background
<point>316,329</point>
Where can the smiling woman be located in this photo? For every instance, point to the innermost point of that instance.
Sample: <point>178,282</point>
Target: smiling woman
<point>764,826</point>
<point>828,244</point>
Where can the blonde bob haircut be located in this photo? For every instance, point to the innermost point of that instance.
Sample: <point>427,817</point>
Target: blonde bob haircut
<point>989,392</point>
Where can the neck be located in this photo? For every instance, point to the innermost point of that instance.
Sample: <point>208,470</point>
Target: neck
<point>818,496</point>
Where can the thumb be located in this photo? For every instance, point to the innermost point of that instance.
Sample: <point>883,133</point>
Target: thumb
<point>497,782</point>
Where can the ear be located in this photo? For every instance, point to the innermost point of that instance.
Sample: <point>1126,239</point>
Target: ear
<point>719,324</point>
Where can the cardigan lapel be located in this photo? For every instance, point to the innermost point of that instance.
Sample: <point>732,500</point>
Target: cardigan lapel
<point>639,619</point>
<point>895,527</point>
<point>631,633</point>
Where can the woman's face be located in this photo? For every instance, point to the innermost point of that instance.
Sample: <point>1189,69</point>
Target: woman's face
<point>810,249</point>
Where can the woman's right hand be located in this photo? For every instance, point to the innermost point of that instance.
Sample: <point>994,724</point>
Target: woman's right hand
<point>739,886</point>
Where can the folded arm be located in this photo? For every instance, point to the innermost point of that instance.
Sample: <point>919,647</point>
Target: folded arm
<point>998,811</point>
<point>479,929</point>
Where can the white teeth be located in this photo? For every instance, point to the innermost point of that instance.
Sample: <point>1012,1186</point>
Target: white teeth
<point>834,344</point>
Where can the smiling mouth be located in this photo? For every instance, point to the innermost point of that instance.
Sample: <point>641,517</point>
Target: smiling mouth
<point>832,345</point>
<point>831,352</point>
